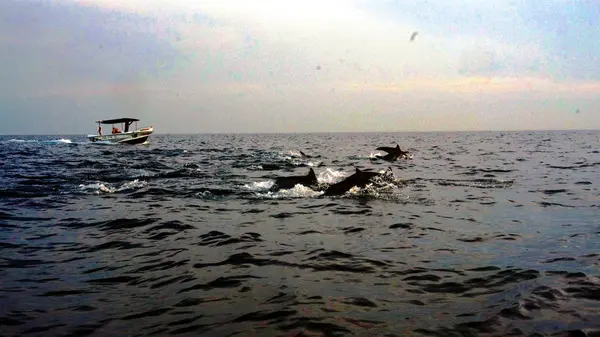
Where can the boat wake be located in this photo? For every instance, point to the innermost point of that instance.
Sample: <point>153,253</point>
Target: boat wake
<point>41,141</point>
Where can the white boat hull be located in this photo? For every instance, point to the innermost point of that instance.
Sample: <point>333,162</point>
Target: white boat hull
<point>138,136</point>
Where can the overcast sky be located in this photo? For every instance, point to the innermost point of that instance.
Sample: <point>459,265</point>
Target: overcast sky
<point>193,66</point>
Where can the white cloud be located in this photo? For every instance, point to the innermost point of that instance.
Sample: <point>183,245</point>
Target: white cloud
<point>309,42</point>
<point>287,41</point>
<point>257,66</point>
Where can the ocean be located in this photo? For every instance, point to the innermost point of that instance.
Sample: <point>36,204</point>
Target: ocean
<point>483,234</point>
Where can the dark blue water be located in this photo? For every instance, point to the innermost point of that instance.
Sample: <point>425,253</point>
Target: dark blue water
<point>484,234</point>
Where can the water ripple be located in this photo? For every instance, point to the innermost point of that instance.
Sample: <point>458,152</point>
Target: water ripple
<point>479,234</point>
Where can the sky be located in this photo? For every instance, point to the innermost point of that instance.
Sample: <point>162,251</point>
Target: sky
<point>240,66</point>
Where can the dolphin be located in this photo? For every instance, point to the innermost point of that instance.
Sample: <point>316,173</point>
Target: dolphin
<point>358,179</point>
<point>304,155</point>
<point>289,182</point>
<point>393,153</point>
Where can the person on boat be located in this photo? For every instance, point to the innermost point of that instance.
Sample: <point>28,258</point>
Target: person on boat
<point>99,130</point>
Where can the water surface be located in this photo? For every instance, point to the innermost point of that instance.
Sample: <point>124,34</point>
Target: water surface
<point>487,234</point>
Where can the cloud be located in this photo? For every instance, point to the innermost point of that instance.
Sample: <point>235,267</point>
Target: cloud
<point>51,47</point>
<point>484,58</point>
<point>286,38</point>
<point>235,66</point>
<point>485,85</point>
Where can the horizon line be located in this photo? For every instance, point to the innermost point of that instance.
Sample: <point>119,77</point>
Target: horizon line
<point>319,132</point>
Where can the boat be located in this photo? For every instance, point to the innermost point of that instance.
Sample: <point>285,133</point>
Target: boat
<point>125,136</point>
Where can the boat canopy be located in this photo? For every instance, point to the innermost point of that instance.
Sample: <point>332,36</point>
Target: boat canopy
<point>118,120</point>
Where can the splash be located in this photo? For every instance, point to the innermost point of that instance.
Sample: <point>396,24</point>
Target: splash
<point>294,153</point>
<point>330,176</point>
<point>382,191</point>
<point>298,191</point>
<point>374,155</point>
<point>255,168</point>
<point>297,159</point>
<point>54,141</point>
<point>103,142</point>
<point>100,187</point>
<point>259,186</point>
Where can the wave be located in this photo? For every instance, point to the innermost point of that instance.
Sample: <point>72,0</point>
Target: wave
<point>102,187</point>
<point>298,191</point>
<point>41,141</point>
<point>448,255</point>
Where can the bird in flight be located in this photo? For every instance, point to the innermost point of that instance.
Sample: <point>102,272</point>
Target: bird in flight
<point>414,34</point>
